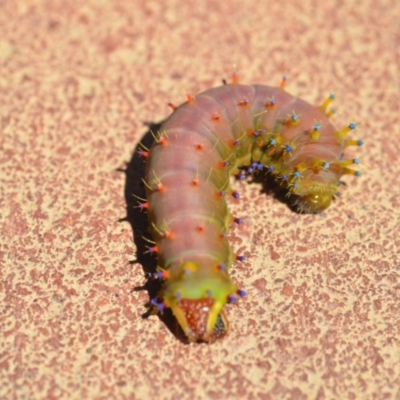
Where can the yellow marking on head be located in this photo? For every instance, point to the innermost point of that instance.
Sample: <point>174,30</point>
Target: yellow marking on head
<point>189,267</point>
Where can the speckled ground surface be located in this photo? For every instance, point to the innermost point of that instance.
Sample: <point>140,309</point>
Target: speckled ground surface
<point>77,86</point>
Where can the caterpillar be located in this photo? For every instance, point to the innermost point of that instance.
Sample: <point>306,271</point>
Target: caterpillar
<point>230,130</point>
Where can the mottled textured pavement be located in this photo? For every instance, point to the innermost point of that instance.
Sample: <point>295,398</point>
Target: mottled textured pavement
<point>78,87</point>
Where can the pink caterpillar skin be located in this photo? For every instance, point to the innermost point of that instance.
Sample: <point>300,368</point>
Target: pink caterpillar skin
<point>188,170</point>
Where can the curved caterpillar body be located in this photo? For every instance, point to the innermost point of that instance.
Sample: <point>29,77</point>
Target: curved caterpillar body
<point>197,149</point>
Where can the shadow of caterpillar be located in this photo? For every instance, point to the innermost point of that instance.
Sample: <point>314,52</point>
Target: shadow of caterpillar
<point>230,130</point>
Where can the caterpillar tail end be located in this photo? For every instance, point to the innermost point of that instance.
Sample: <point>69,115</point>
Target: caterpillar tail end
<point>311,203</point>
<point>315,202</point>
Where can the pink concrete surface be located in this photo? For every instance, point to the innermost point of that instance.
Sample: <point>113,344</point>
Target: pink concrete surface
<point>78,83</point>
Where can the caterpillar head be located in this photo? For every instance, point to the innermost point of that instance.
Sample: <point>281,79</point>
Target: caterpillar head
<point>197,300</point>
<point>200,319</point>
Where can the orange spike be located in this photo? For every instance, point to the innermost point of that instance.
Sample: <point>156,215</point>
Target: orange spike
<point>216,117</point>
<point>235,77</point>
<point>283,82</point>
<point>168,234</point>
<point>164,274</point>
<point>270,103</point>
<point>152,250</point>
<point>162,140</point>
<point>244,102</point>
<point>143,153</point>
<point>143,206</point>
<point>161,187</point>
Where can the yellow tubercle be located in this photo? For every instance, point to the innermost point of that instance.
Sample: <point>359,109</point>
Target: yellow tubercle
<point>301,167</point>
<point>343,132</point>
<point>326,102</point>
<point>330,112</point>
<point>315,135</point>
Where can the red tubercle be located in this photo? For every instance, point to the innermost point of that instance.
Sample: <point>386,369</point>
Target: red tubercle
<point>161,187</point>
<point>162,140</point>
<point>236,143</point>
<point>152,250</point>
<point>244,102</point>
<point>165,274</point>
<point>169,235</point>
<point>220,267</point>
<point>235,77</point>
<point>256,132</point>
<point>190,98</point>
<point>195,182</point>
<point>271,151</point>
<point>200,228</point>
<point>224,164</point>
<point>143,153</point>
<point>216,117</point>
<point>200,146</point>
<point>222,236</point>
<point>270,104</point>
<point>162,274</point>
<point>283,82</point>
<point>143,206</point>
<point>164,232</point>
